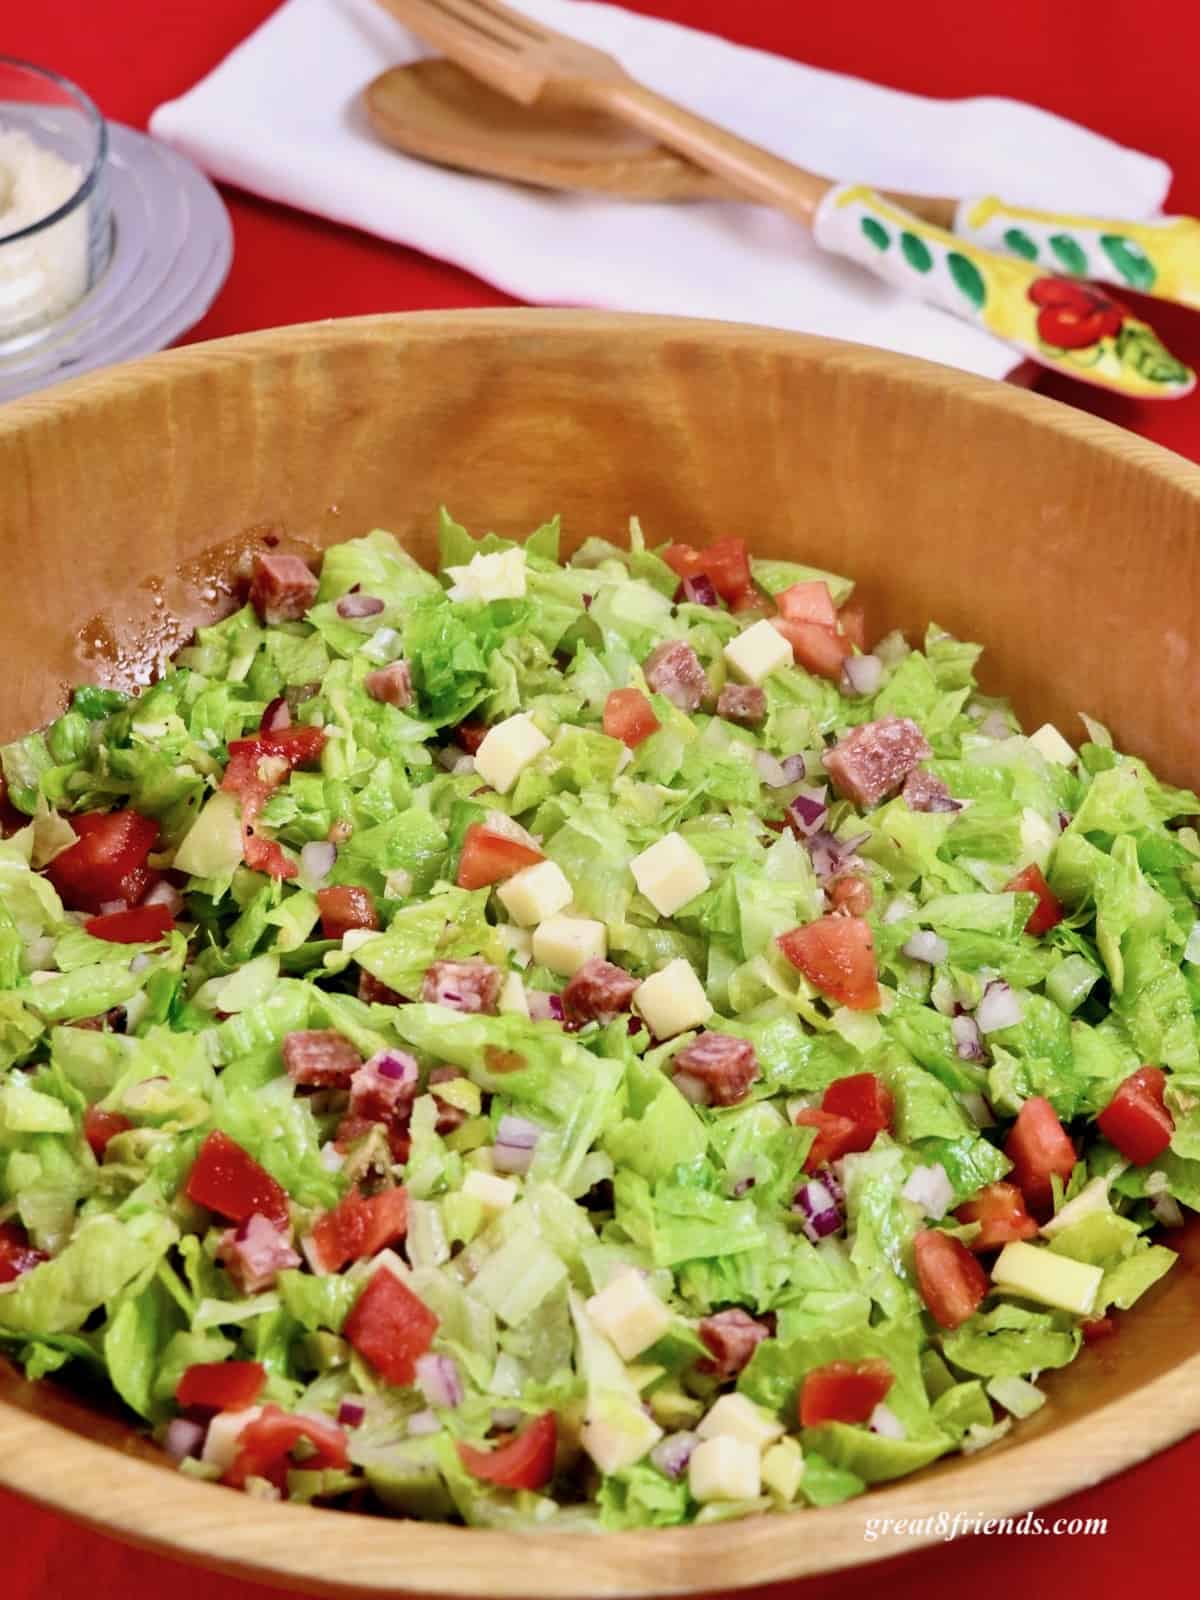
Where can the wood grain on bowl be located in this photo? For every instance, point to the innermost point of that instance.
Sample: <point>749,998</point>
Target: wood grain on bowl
<point>128,503</point>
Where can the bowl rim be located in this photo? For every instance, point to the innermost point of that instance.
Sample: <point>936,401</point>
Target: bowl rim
<point>92,177</point>
<point>340,1553</point>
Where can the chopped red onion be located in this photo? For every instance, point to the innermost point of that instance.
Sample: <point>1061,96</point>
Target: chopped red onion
<point>352,1413</point>
<point>820,1209</point>
<point>438,1380</point>
<point>544,1007</point>
<point>109,908</point>
<point>359,605</point>
<point>1168,1211</point>
<point>927,947</point>
<point>884,1421</point>
<point>183,1438</point>
<point>899,907</point>
<point>693,1090</point>
<point>809,809</point>
<point>831,855</point>
<point>396,1065</point>
<point>276,717</point>
<point>699,590</point>
<point>999,1008</point>
<point>165,894</point>
<point>518,1132</point>
<point>892,648</point>
<point>316,862</point>
<point>672,1454</point>
<point>861,674</point>
<point>977,1108</point>
<point>931,1189</point>
<point>770,769</point>
<point>421,1423</point>
<point>995,726</point>
<point>968,1041</point>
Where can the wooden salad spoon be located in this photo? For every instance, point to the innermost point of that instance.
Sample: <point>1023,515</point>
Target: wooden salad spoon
<point>1069,326</point>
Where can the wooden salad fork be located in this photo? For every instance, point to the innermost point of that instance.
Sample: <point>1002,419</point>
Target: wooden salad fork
<point>1069,326</point>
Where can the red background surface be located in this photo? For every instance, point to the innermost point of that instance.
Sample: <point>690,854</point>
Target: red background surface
<point>1127,72</point>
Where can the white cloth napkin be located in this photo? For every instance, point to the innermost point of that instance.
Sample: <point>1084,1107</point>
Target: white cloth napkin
<point>282,116</point>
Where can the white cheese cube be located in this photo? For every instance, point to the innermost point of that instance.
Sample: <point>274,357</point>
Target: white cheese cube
<point>758,652</point>
<point>669,874</point>
<point>1052,1280</point>
<point>629,1312</point>
<point>221,1440</point>
<point>517,941</point>
<point>783,1469</point>
<point>512,996</point>
<point>494,1194</point>
<point>737,1417</point>
<point>673,1000</point>
<point>535,893</point>
<point>1048,742</point>
<point>507,749</point>
<point>498,576</point>
<point>725,1468</point>
<point>564,943</point>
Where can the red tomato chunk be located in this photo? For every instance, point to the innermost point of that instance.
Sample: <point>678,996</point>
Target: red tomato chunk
<point>390,1327</point>
<point>838,956</point>
<point>1039,1149</point>
<point>108,862</point>
<point>101,1126</point>
<point>1048,912</point>
<point>140,925</point>
<point>836,1137</point>
<point>359,1227</point>
<point>229,1181</point>
<point>951,1281</point>
<point>866,1100</point>
<point>999,1209</point>
<point>489,856</point>
<point>629,716</point>
<point>345,906</point>
<point>221,1385</point>
<point>265,1446</point>
<point>843,1391</point>
<point>1136,1120</point>
<point>526,1461</point>
<point>17,1255</point>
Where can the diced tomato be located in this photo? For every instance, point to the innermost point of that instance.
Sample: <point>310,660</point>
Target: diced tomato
<point>683,559</point>
<point>526,1461</point>
<point>951,1281</point>
<point>101,1126</point>
<point>808,602</point>
<point>108,862</point>
<point>852,620</point>
<point>256,769</point>
<point>470,735</point>
<point>843,1391</point>
<point>229,1181</point>
<point>359,1227</point>
<point>265,1446</point>
<point>1098,1328</point>
<point>1049,911</point>
<point>489,857</point>
<point>344,906</point>
<point>837,955</point>
<point>139,925</point>
<point>390,1327</point>
<point>1039,1147</point>
<point>836,1137</point>
<point>817,649</point>
<point>728,566</point>
<point>629,716</point>
<point>221,1385</point>
<point>17,1255</point>
<point>866,1100</point>
<point>1136,1120</point>
<point>999,1209</point>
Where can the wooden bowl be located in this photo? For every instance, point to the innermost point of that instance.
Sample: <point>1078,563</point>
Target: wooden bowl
<point>1070,549</point>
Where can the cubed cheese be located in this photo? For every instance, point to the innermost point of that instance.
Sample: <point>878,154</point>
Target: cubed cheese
<point>1052,1280</point>
<point>220,1442</point>
<point>739,1418</point>
<point>564,943</point>
<point>629,1313</point>
<point>498,576</point>
<point>783,1469</point>
<point>535,893</point>
<point>512,996</point>
<point>517,941</point>
<point>669,874</point>
<point>1048,742</point>
<point>725,1468</point>
<point>494,1194</point>
<point>673,1000</point>
<point>507,749</point>
<point>758,652</point>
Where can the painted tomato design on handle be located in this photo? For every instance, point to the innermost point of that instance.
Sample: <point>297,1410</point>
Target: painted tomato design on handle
<point>1074,315</point>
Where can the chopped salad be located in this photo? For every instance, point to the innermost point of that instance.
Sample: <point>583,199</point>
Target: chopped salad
<point>582,1043</point>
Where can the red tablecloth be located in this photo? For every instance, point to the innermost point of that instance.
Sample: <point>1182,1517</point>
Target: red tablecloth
<point>1128,72</point>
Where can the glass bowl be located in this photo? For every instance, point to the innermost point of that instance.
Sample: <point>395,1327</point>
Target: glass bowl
<point>55,223</point>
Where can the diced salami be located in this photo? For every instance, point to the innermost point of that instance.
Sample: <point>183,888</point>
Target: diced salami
<point>462,985</point>
<point>319,1058</point>
<point>598,992</point>
<point>449,1117</point>
<point>391,684</point>
<point>923,792</point>
<point>850,894</point>
<point>673,670</point>
<point>725,1065</point>
<point>872,761</point>
<point>732,1336</point>
<point>383,1086</point>
<point>254,1253</point>
<point>742,702</point>
<point>281,588</point>
<point>374,993</point>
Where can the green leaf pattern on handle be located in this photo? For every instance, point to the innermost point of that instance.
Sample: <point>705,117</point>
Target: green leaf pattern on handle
<point>876,232</point>
<point>916,252</point>
<point>1019,242</point>
<point>1130,260</point>
<point>1070,253</point>
<point>968,278</point>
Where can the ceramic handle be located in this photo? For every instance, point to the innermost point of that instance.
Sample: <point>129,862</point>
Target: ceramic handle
<point>1161,258</point>
<point>1071,327</point>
